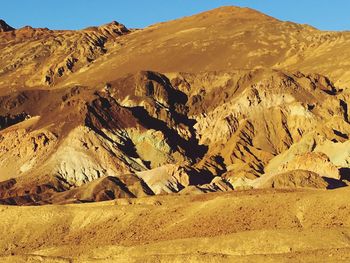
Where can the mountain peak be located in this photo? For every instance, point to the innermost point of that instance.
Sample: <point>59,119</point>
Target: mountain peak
<point>4,27</point>
<point>113,23</point>
<point>112,27</point>
<point>240,13</point>
<point>115,27</point>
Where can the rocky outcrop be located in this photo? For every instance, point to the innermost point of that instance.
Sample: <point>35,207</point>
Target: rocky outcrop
<point>315,162</point>
<point>177,133</point>
<point>82,118</point>
<point>103,189</point>
<point>295,179</point>
<point>9,120</point>
<point>4,27</point>
<point>64,52</point>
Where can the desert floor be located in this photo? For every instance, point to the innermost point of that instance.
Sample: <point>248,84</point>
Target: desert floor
<point>237,226</point>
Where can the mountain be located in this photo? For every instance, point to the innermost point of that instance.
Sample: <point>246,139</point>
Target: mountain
<point>206,103</point>
<point>219,137</point>
<point>4,27</point>
<point>224,39</point>
<point>33,57</point>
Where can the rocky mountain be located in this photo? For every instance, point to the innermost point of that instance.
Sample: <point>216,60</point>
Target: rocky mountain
<point>226,100</point>
<point>36,57</point>
<point>4,27</point>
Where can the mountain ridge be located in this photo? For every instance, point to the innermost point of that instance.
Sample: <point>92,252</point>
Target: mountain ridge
<point>276,44</point>
<point>210,102</point>
<point>4,27</point>
<point>218,137</point>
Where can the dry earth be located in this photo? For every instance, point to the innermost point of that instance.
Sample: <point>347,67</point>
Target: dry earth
<point>237,226</point>
<point>220,137</point>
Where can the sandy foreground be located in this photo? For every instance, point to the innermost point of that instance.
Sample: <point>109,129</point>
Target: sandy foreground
<point>242,226</point>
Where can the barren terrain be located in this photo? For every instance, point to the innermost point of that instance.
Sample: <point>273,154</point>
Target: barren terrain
<point>242,226</point>
<point>219,137</point>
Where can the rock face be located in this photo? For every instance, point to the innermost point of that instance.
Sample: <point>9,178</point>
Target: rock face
<point>4,27</point>
<point>96,121</point>
<point>295,179</point>
<point>53,55</point>
<point>206,132</point>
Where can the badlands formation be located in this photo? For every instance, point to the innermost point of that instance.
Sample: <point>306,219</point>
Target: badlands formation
<point>220,137</point>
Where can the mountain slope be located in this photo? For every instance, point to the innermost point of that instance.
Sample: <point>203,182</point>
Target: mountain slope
<point>4,27</point>
<point>228,99</point>
<point>173,132</point>
<point>36,57</point>
<point>226,38</point>
<point>218,137</point>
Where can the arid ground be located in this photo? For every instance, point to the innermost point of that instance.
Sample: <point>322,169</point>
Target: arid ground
<point>219,137</point>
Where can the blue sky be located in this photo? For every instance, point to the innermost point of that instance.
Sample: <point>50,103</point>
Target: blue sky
<point>77,14</point>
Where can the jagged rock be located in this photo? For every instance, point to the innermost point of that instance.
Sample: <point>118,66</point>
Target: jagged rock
<point>265,126</point>
<point>106,188</point>
<point>316,162</point>
<point>4,27</point>
<point>294,179</point>
<point>64,52</point>
<point>126,102</point>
